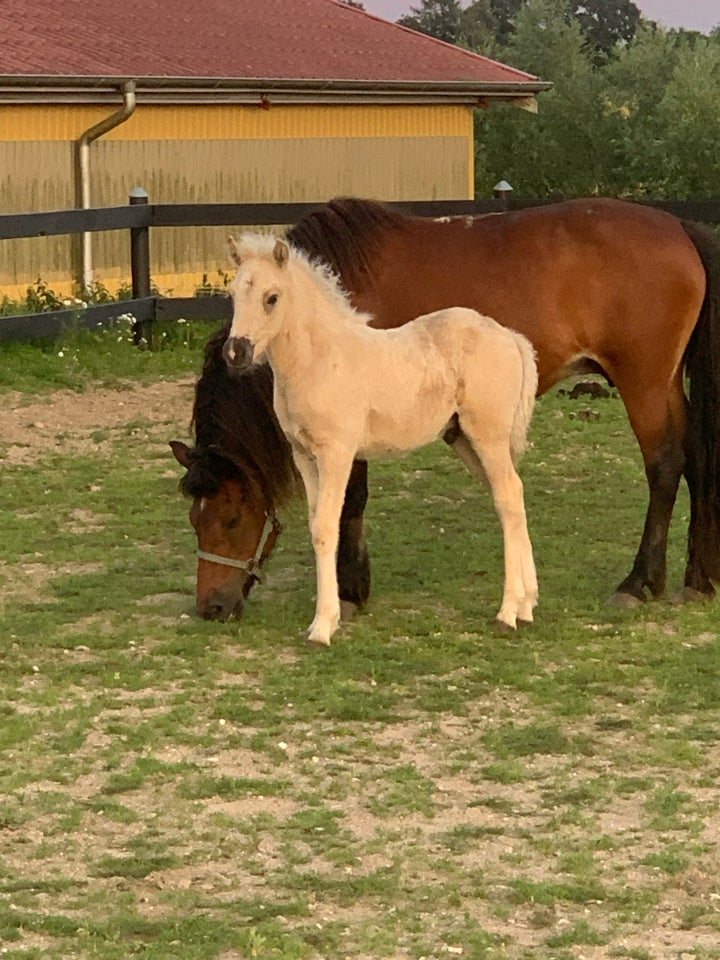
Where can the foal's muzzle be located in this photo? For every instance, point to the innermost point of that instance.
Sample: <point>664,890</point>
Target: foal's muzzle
<point>238,352</point>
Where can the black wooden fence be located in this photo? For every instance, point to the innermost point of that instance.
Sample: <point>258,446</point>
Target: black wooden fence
<point>140,216</point>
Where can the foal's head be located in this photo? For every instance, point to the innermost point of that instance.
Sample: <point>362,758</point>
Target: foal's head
<point>258,293</point>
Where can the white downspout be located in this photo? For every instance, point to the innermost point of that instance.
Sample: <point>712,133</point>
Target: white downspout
<point>83,168</point>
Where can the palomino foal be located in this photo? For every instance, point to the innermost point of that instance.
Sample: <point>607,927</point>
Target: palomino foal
<point>344,389</point>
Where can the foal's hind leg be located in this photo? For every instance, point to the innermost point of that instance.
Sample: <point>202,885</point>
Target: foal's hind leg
<point>492,463</point>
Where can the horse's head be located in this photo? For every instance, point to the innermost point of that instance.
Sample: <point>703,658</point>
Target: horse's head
<point>257,292</point>
<point>235,531</point>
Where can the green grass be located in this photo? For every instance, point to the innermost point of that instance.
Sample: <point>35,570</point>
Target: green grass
<point>81,358</point>
<point>171,788</point>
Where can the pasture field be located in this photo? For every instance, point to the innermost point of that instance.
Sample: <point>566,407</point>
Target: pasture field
<point>429,787</point>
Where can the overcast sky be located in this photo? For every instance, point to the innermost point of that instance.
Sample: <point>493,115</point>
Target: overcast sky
<point>692,14</point>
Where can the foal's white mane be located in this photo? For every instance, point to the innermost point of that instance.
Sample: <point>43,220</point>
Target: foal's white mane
<point>317,272</point>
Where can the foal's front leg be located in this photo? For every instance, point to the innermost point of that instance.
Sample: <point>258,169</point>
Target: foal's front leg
<point>333,469</point>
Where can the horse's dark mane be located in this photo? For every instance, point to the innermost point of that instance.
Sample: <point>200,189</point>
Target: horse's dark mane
<point>237,433</point>
<point>345,234</point>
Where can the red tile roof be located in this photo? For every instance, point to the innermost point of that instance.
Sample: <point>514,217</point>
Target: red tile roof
<point>298,40</point>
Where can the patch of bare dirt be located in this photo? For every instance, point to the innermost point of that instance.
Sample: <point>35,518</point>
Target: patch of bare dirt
<point>82,423</point>
<point>27,582</point>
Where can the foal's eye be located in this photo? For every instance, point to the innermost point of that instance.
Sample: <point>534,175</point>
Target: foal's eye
<point>271,300</point>
<point>231,524</point>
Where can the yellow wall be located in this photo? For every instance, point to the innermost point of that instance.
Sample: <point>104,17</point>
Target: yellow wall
<point>183,154</point>
<point>228,122</point>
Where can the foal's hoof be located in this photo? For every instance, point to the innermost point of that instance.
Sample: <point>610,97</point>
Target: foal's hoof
<point>318,639</point>
<point>624,601</point>
<point>525,612</point>
<point>320,631</point>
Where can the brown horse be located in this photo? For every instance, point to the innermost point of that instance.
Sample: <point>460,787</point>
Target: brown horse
<point>240,473</point>
<point>597,285</point>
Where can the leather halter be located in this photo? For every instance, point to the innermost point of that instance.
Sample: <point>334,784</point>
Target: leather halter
<point>251,566</point>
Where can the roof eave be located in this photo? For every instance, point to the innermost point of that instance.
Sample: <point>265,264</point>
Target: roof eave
<point>262,91</point>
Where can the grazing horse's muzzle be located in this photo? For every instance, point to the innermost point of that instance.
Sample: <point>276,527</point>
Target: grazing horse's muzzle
<point>221,605</point>
<point>238,353</point>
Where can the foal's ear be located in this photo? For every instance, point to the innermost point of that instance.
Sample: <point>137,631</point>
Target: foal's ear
<point>234,248</point>
<point>281,253</point>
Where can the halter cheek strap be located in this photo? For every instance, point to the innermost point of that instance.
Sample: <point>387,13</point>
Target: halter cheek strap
<point>251,566</point>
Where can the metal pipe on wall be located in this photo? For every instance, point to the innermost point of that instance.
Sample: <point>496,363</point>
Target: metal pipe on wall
<point>82,166</point>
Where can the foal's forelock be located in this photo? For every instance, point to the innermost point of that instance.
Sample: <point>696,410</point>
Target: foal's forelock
<point>296,278</point>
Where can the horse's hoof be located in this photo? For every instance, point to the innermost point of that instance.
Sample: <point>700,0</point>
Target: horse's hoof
<point>691,595</point>
<point>505,627</point>
<point>624,601</point>
<point>348,610</point>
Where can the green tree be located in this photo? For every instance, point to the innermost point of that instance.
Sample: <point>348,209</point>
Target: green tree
<point>505,13</point>
<point>472,27</point>
<point>635,84</point>
<point>570,147</point>
<point>688,118</point>
<point>644,122</point>
<point>606,23</point>
<point>437,18</point>
<point>477,27</point>
<point>666,88</point>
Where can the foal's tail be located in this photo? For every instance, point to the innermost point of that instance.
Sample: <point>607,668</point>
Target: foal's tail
<point>702,368</point>
<point>526,400</point>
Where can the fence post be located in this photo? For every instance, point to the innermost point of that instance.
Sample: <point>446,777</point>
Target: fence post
<point>140,267</point>
<point>502,191</point>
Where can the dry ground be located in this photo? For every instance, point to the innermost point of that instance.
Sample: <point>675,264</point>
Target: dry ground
<point>69,423</point>
<point>512,825</point>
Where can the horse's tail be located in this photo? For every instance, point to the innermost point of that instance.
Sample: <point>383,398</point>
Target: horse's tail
<point>526,400</point>
<point>702,368</point>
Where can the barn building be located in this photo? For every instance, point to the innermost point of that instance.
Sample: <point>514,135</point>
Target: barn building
<point>223,101</point>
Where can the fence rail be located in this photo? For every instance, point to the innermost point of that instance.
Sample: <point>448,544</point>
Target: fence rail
<point>140,216</point>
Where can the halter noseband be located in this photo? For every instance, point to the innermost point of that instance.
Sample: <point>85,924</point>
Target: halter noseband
<point>251,566</point>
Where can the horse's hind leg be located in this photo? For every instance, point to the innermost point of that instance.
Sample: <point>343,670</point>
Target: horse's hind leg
<point>658,422</point>
<point>698,585</point>
<point>353,561</point>
<point>492,462</point>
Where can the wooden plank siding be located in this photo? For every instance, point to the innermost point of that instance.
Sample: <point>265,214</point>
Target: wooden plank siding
<point>206,121</point>
<point>223,153</point>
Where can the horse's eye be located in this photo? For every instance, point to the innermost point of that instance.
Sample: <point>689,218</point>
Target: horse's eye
<point>231,524</point>
<point>272,300</point>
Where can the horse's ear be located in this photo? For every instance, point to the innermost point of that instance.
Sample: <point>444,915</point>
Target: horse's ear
<point>181,452</point>
<point>281,253</point>
<point>234,248</point>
